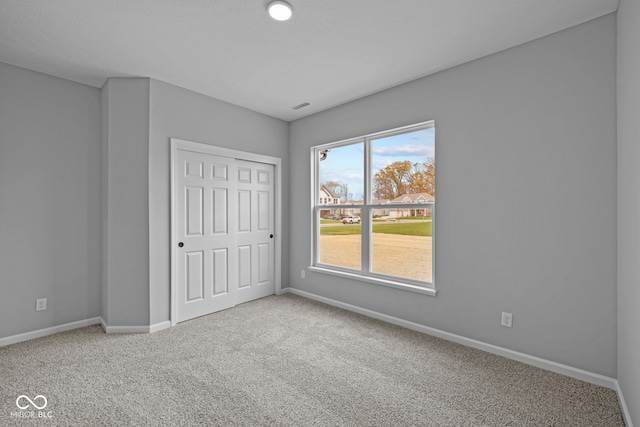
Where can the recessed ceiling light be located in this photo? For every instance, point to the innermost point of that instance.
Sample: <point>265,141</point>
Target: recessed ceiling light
<point>280,10</point>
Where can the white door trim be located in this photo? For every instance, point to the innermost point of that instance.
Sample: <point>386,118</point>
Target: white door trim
<point>199,147</point>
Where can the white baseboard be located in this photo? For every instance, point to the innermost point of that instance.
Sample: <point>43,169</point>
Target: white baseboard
<point>103,324</point>
<point>125,329</point>
<point>134,329</point>
<point>623,406</point>
<point>81,324</point>
<point>569,371</point>
<point>159,326</point>
<point>49,331</point>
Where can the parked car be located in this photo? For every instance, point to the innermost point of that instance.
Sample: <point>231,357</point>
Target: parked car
<point>351,220</point>
<point>332,216</point>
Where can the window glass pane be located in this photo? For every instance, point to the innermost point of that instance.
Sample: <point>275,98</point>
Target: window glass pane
<point>403,247</point>
<point>341,174</point>
<point>403,167</point>
<point>341,239</point>
<point>403,171</point>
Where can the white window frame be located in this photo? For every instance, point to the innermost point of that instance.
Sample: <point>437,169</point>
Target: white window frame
<point>365,274</point>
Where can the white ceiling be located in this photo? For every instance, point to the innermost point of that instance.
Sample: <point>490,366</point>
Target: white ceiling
<point>329,53</point>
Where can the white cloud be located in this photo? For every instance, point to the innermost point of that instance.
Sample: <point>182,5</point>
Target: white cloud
<point>349,176</point>
<point>407,150</point>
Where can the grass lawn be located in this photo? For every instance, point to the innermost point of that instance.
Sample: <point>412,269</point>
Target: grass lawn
<point>423,218</point>
<point>409,229</point>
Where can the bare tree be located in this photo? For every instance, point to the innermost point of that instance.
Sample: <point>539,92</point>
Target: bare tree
<point>333,186</point>
<point>343,191</point>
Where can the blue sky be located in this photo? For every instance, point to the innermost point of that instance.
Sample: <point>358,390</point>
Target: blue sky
<point>345,164</point>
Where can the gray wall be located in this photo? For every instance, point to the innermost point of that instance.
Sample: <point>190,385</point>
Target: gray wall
<point>126,146</point>
<point>49,200</point>
<point>179,113</point>
<point>529,136</point>
<point>629,204</point>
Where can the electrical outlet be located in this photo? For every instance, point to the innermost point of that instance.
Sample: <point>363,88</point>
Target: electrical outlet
<point>41,304</point>
<point>507,319</point>
<point>302,273</point>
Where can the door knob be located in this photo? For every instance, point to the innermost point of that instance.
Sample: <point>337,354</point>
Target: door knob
<point>271,236</point>
<point>180,244</point>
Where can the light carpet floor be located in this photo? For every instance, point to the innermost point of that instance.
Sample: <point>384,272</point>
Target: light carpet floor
<point>287,361</point>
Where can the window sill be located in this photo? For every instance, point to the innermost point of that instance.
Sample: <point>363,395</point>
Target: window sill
<point>376,281</point>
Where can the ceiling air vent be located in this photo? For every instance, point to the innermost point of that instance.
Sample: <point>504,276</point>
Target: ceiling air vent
<point>299,106</point>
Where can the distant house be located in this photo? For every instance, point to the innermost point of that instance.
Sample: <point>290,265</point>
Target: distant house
<point>352,211</point>
<point>352,207</point>
<point>356,211</point>
<point>382,210</point>
<point>412,198</point>
<point>327,197</point>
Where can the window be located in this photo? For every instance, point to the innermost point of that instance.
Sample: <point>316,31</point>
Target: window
<point>377,224</point>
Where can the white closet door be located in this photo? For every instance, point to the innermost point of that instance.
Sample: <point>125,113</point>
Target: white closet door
<point>205,234</point>
<point>224,232</point>
<point>255,222</point>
